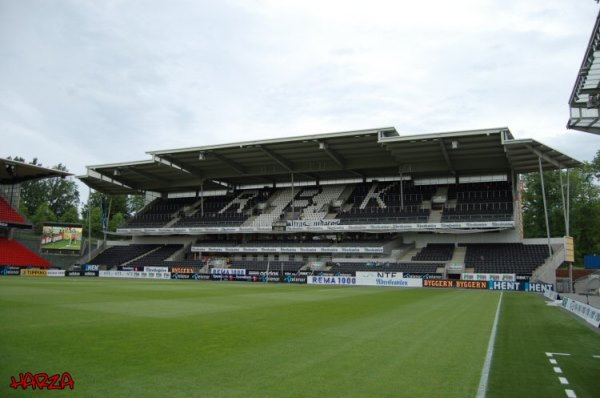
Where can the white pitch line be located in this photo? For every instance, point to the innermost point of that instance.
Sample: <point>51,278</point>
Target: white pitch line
<point>557,369</point>
<point>596,356</point>
<point>553,361</point>
<point>563,380</point>
<point>550,354</point>
<point>571,394</point>
<point>485,373</point>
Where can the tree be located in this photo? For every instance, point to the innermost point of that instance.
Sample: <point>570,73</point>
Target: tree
<point>584,194</point>
<point>42,215</point>
<point>60,194</point>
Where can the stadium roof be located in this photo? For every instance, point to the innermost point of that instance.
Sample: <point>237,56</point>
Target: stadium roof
<point>14,172</point>
<point>362,154</point>
<point>585,98</point>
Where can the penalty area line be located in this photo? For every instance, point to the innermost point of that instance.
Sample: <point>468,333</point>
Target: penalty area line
<point>485,373</point>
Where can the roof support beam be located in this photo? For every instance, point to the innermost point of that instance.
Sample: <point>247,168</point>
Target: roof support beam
<point>234,165</point>
<point>446,157</point>
<point>169,161</point>
<point>147,175</point>
<point>118,178</point>
<point>332,154</point>
<point>545,157</point>
<point>277,158</point>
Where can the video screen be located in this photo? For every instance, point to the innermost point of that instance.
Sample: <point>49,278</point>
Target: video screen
<point>61,237</point>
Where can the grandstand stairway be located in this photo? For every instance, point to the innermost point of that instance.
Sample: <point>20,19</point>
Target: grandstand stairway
<point>435,216</point>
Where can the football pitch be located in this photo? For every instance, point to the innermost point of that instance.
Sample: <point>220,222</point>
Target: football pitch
<point>136,338</point>
<point>64,244</point>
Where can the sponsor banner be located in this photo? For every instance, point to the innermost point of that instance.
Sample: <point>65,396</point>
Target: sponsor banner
<point>183,270</point>
<point>91,267</point>
<point>386,279</point>
<point>286,249</point>
<point>326,273</point>
<point>488,277</point>
<point>34,272</point>
<point>292,224</point>
<point>10,270</point>
<point>294,279</point>
<point>175,275</point>
<point>56,272</point>
<point>156,269</point>
<point>519,286</point>
<point>334,227</point>
<point>432,275</point>
<point>331,280</point>
<point>584,311</point>
<point>73,273</point>
<point>522,278</point>
<point>455,284</point>
<point>227,271</point>
<point>129,268</point>
<point>550,294</point>
<point>135,274</point>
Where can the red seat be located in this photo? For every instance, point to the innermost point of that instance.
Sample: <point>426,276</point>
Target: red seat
<point>14,253</point>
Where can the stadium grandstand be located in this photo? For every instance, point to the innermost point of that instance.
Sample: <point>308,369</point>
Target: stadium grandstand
<point>430,205</point>
<point>584,102</point>
<point>15,255</point>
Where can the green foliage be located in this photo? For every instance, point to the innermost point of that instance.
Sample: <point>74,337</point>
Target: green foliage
<point>584,198</point>
<point>71,215</point>
<point>42,215</point>
<point>59,194</point>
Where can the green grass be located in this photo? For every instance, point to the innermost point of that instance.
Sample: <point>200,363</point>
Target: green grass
<point>130,338</point>
<point>63,245</point>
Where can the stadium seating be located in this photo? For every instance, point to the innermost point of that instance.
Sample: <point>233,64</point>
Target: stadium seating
<point>118,255</point>
<point>263,265</point>
<point>505,257</point>
<point>157,257</point>
<point>435,252</point>
<point>476,202</point>
<point>14,253</point>
<point>417,268</point>
<point>229,210</point>
<point>160,212</point>
<point>383,203</point>
<point>8,214</point>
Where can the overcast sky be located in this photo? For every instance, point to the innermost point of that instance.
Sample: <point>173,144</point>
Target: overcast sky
<point>92,82</point>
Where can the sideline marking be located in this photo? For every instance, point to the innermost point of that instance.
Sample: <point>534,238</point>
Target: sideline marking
<point>485,373</point>
<point>571,394</point>
<point>553,361</point>
<point>563,380</point>
<point>550,354</point>
<point>557,369</point>
<point>596,356</point>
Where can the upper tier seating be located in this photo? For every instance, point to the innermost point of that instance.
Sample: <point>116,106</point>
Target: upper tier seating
<point>505,257</point>
<point>476,202</point>
<point>377,203</point>
<point>230,210</point>
<point>8,214</point>
<point>14,253</point>
<point>160,212</point>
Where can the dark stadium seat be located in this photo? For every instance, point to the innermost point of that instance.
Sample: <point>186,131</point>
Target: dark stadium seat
<point>505,257</point>
<point>118,255</point>
<point>435,252</point>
